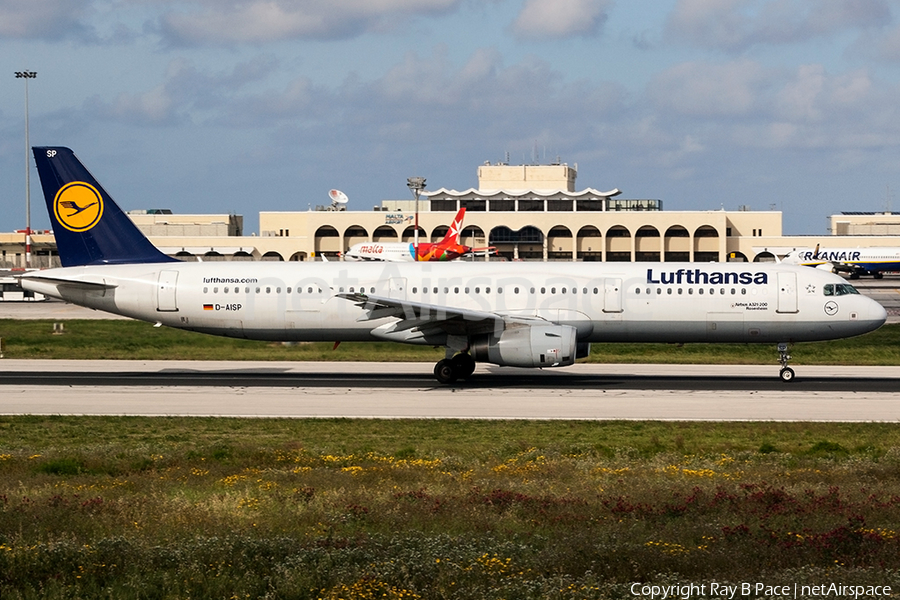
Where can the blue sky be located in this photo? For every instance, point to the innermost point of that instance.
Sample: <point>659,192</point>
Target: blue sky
<point>249,105</point>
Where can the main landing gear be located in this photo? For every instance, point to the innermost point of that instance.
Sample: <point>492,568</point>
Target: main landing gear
<point>449,370</point>
<point>786,374</point>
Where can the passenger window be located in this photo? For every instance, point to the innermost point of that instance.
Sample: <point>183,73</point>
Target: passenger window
<point>456,290</point>
<point>531,291</point>
<point>278,290</point>
<point>669,291</point>
<point>415,290</point>
<point>690,291</point>
<point>446,290</point>
<point>215,290</point>
<point>340,289</point>
<point>584,291</point>
<point>596,291</point>
<point>309,290</point>
<point>246,290</point>
<point>487,290</point>
<point>563,290</point>
<point>478,290</point>
<point>543,290</point>
<point>435,290</point>
<point>515,290</point>
<point>743,291</point>
<point>205,290</point>
<point>467,290</point>
<point>499,290</point>
<point>225,290</point>
<point>733,291</point>
<point>722,291</point>
<point>658,291</point>
<point>553,290</point>
<point>679,291</point>
<point>637,291</point>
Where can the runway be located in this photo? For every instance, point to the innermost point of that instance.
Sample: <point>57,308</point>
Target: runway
<point>408,390</point>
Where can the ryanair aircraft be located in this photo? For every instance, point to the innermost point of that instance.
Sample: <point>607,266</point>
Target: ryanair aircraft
<point>873,261</point>
<point>521,314</point>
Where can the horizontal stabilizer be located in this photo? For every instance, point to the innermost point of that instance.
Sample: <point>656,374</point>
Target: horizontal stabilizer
<point>71,283</point>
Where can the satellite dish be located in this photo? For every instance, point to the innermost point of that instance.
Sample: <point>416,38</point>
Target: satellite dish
<point>338,197</point>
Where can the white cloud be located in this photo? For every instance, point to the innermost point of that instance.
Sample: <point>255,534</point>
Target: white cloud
<point>889,45</point>
<point>44,19</point>
<point>735,25</point>
<point>186,93</point>
<point>260,21</point>
<point>709,89</point>
<point>555,19</point>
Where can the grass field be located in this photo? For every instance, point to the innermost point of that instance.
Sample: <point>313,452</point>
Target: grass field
<point>122,507</point>
<point>119,507</point>
<point>137,340</point>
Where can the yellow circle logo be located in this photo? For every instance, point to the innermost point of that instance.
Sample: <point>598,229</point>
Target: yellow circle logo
<point>78,206</point>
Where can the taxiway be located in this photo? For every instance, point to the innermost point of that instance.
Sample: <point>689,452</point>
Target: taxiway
<point>407,390</point>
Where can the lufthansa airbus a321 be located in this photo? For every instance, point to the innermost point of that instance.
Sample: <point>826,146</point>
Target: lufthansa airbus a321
<point>524,314</point>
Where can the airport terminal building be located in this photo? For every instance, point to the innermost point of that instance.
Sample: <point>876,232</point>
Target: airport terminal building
<point>527,212</point>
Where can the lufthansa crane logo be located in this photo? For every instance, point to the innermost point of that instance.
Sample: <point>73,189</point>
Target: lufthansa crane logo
<point>78,206</point>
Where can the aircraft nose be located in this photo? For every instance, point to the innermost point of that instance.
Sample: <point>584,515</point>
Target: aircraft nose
<point>874,314</point>
<point>880,313</point>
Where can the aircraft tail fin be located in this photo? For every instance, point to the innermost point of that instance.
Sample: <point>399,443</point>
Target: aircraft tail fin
<point>89,227</point>
<point>452,235</point>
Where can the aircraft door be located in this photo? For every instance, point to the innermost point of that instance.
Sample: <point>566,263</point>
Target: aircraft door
<point>165,291</point>
<point>787,293</point>
<point>397,288</point>
<point>612,295</point>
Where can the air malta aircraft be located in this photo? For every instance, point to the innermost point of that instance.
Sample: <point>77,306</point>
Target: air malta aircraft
<point>448,248</point>
<point>521,314</point>
<point>854,261</point>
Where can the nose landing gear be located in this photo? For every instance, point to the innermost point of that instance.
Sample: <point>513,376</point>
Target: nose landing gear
<point>786,374</point>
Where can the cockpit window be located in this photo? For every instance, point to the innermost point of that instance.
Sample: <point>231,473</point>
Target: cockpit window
<point>839,289</point>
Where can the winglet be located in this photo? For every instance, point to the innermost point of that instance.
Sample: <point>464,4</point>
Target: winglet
<point>89,227</point>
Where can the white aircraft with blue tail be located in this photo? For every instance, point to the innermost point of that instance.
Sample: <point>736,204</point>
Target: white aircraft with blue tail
<point>522,314</point>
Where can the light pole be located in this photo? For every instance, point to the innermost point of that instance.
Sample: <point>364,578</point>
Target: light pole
<point>416,184</point>
<point>26,75</point>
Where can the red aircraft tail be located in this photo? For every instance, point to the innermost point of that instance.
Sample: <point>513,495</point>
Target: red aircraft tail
<point>452,237</point>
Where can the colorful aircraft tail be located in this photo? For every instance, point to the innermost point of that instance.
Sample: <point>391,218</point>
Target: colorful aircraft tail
<point>452,236</point>
<point>89,227</point>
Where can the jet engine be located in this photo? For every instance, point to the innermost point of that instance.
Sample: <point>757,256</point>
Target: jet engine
<point>528,346</point>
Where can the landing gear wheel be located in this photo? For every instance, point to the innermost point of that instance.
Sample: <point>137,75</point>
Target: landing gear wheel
<point>463,364</point>
<point>786,374</point>
<point>444,371</point>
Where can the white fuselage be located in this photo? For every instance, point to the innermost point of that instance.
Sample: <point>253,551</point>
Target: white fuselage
<point>382,251</point>
<point>605,302</point>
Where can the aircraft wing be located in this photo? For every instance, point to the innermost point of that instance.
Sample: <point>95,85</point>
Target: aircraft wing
<point>422,316</point>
